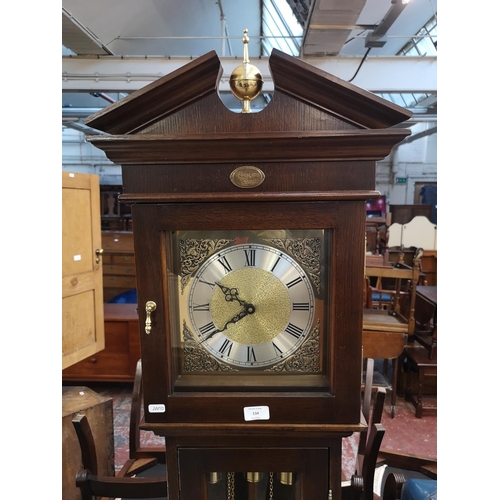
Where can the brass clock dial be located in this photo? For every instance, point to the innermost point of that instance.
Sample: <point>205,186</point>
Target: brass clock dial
<point>251,305</point>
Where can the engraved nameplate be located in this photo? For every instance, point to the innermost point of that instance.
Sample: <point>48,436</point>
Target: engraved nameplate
<point>247,176</point>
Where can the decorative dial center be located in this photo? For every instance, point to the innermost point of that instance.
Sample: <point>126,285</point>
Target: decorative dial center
<point>261,312</point>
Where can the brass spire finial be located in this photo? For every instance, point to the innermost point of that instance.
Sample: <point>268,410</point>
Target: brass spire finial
<point>246,80</point>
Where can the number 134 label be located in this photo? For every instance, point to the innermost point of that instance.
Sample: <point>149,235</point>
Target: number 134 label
<point>256,413</point>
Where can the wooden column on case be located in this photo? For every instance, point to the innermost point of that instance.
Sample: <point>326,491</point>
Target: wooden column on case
<point>304,165</point>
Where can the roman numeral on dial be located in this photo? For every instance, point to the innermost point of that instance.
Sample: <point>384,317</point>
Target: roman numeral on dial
<point>275,264</point>
<point>225,264</point>
<point>293,330</point>
<point>294,282</point>
<point>251,354</point>
<point>201,307</point>
<point>277,350</point>
<point>249,258</point>
<point>300,306</point>
<point>226,347</point>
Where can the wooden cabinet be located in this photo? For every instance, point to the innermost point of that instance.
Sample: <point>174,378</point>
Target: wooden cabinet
<point>118,263</point>
<point>117,362</point>
<point>82,321</point>
<point>429,266</point>
<point>405,213</point>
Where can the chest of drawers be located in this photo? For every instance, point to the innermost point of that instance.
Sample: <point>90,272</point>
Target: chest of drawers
<point>117,362</point>
<point>118,263</point>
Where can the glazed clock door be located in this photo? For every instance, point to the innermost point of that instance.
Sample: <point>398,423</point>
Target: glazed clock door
<point>250,473</point>
<point>235,302</point>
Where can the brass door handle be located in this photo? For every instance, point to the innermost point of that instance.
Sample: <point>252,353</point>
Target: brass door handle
<point>150,307</point>
<point>98,253</point>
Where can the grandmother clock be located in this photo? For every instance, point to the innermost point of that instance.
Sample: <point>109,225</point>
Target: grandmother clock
<point>249,241</point>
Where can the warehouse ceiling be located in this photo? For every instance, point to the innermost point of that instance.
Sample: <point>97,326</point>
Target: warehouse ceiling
<point>339,36</point>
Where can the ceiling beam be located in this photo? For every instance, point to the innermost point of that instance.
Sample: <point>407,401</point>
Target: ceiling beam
<point>127,74</point>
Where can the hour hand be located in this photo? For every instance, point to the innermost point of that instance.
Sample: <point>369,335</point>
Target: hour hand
<point>231,294</point>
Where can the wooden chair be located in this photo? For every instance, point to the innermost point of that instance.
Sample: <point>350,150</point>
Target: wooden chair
<point>425,314</point>
<point>388,282</point>
<point>125,483</point>
<point>385,331</point>
<point>370,456</point>
<point>140,457</point>
<point>420,353</point>
<point>93,485</point>
<point>367,293</point>
<point>362,482</point>
<point>417,361</point>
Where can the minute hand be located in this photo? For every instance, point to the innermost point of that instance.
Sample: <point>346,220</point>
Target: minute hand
<point>236,318</point>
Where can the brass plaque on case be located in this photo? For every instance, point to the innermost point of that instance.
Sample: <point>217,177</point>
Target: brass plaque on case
<point>247,176</point>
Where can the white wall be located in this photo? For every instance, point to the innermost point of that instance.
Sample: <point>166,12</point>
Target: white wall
<point>416,161</point>
<point>78,155</point>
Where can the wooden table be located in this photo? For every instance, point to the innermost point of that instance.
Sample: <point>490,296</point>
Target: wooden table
<point>429,293</point>
<point>384,337</point>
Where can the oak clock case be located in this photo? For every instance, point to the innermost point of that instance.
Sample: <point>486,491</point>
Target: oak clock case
<point>250,308</point>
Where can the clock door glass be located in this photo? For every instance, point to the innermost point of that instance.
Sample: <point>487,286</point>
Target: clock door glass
<point>250,302</point>
<point>255,485</point>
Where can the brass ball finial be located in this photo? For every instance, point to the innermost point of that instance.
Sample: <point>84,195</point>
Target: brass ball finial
<point>246,80</point>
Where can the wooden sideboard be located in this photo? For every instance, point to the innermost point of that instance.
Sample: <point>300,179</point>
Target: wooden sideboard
<point>117,362</point>
<point>118,263</point>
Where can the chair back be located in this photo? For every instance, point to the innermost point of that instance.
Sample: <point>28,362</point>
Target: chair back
<point>136,449</point>
<point>86,441</point>
<point>92,484</point>
<point>401,299</point>
<point>425,331</point>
